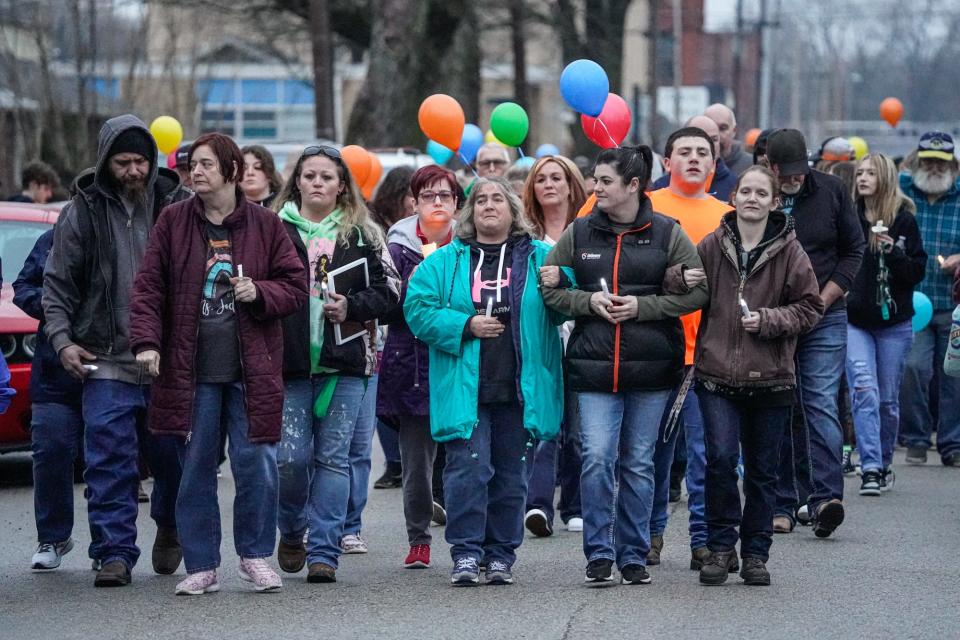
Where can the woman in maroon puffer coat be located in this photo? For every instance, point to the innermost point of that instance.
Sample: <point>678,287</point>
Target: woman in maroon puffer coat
<point>218,274</point>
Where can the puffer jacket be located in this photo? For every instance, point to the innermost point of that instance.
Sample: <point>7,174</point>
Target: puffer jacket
<point>782,287</point>
<point>165,312</point>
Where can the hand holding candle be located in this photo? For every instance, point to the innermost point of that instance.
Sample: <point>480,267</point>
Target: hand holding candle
<point>243,288</point>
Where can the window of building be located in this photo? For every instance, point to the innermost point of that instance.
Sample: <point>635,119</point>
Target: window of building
<point>218,121</point>
<point>260,91</point>
<point>259,124</point>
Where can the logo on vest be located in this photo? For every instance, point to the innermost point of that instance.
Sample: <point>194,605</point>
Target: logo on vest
<point>586,255</point>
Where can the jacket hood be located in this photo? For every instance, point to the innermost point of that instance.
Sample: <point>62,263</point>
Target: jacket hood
<point>722,171</point>
<point>404,233</point>
<point>109,133</point>
<point>600,220</point>
<point>783,224</point>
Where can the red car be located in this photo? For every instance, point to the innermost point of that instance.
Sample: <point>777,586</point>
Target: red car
<point>20,226</point>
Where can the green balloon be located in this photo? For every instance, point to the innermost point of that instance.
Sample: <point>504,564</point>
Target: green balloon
<point>510,124</point>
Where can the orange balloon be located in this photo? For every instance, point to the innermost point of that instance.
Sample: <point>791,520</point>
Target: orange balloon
<point>358,161</point>
<point>441,119</point>
<point>751,138</point>
<point>376,170</point>
<point>891,110</point>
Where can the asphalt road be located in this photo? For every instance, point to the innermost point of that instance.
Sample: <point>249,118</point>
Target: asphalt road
<point>891,571</point>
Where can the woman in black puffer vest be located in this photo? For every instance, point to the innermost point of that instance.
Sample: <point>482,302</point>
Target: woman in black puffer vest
<point>625,354</point>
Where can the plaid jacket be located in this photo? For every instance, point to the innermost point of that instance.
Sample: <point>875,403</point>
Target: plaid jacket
<point>940,230</point>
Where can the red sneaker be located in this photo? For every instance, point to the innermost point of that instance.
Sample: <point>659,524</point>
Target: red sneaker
<point>418,558</point>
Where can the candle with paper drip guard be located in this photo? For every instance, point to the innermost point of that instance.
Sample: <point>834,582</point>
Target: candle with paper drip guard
<point>239,270</point>
<point>879,227</point>
<point>603,286</point>
<point>489,307</point>
<point>744,309</point>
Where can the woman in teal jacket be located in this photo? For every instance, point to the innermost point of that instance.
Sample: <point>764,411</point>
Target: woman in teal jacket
<point>495,371</point>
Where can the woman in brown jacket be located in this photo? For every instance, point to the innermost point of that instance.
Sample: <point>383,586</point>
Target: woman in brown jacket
<point>763,294</point>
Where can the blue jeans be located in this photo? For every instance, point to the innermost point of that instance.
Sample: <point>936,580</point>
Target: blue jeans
<point>560,458</point>
<point>56,432</point>
<point>219,407</point>
<point>730,426</point>
<point>820,358</point>
<point>485,495</point>
<point>314,464</point>
<point>112,411</point>
<point>619,433</point>
<point>360,450</point>
<point>691,421</point>
<point>875,362</point>
<point>916,419</point>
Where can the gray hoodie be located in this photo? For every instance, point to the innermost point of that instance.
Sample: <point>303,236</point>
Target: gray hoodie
<point>98,245</point>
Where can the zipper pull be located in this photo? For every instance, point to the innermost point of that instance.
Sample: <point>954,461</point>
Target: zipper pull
<point>189,435</point>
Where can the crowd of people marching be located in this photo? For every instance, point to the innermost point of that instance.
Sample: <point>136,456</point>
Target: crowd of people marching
<point>504,330</point>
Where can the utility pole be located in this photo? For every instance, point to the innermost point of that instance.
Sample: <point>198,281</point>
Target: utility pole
<point>322,40</point>
<point>653,34</point>
<point>764,70</point>
<point>738,57</point>
<point>677,57</point>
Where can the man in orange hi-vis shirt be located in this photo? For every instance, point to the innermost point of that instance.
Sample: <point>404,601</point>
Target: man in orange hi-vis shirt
<point>690,157</point>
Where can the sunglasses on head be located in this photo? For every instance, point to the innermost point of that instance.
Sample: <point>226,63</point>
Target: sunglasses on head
<point>321,150</point>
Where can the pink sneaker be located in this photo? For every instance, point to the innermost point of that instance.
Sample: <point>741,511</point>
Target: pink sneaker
<point>198,583</point>
<point>257,571</point>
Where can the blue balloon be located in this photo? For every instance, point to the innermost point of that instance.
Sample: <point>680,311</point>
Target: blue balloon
<point>547,150</point>
<point>584,85</point>
<point>526,162</point>
<point>438,152</point>
<point>922,311</point>
<point>471,142</point>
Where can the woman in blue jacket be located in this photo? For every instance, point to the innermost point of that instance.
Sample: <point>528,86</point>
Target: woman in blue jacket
<point>495,369</point>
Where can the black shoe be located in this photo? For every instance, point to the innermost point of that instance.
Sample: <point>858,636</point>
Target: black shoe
<point>888,479</point>
<point>718,566</point>
<point>392,477</point>
<point>917,455</point>
<point>951,460</point>
<point>599,572</point>
<point>754,572</point>
<point>829,517</point>
<point>848,467</point>
<point>439,514</point>
<point>113,574</point>
<point>537,523</point>
<point>167,552</point>
<point>634,574</point>
<point>870,483</point>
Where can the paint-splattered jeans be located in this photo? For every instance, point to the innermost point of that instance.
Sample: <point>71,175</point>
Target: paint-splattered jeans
<point>314,464</point>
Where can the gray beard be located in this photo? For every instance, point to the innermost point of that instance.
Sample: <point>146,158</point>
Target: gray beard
<point>933,184</point>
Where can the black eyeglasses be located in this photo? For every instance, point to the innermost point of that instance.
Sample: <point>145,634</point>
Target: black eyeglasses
<point>321,150</point>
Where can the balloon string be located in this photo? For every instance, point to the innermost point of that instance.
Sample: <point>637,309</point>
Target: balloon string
<point>520,151</point>
<point>605,130</point>
<point>467,162</point>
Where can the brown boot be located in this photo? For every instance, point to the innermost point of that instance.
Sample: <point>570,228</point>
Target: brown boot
<point>320,572</point>
<point>698,557</point>
<point>113,574</point>
<point>291,556</point>
<point>782,524</point>
<point>167,552</point>
<point>656,546</point>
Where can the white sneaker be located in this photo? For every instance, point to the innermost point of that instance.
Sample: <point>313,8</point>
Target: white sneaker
<point>196,584</point>
<point>353,543</point>
<point>257,571</point>
<point>575,524</point>
<point>48,555</point>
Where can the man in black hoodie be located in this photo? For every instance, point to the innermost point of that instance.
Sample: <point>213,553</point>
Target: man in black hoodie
<point>98,243</point>
<point>829,231</point>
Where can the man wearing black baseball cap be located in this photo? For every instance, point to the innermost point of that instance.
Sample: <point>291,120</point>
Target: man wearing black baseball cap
<point>935,190</point>
<point>829,231</point>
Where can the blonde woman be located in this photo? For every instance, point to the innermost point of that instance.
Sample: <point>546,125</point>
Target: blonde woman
<point>327,384</point>
<point>879,310</point>
<point>552,195</point>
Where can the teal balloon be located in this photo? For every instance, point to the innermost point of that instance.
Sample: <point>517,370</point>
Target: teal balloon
<point>526,162</point>
<point>547,149</point>
<point>510,124</point>
<point>922,311</point>
<point>438,152</point>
